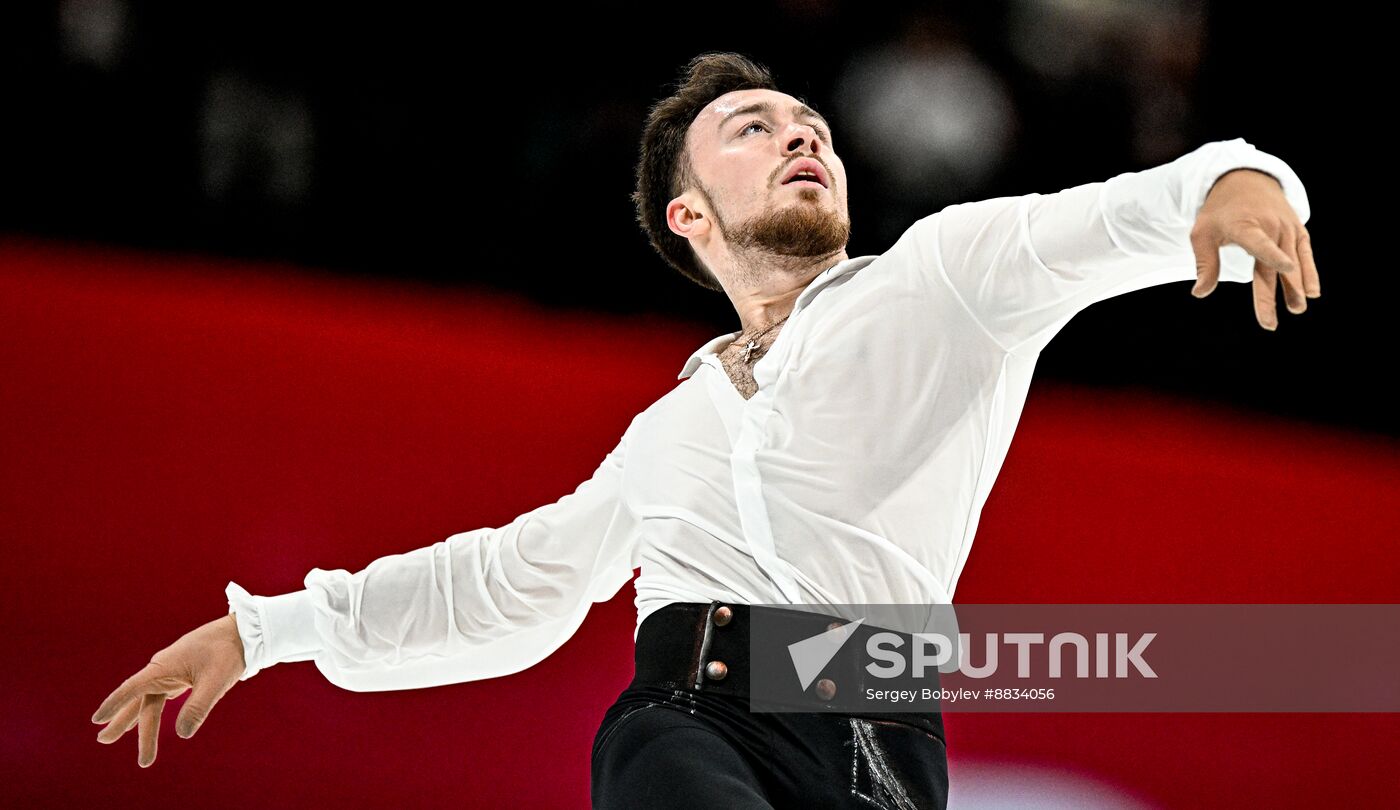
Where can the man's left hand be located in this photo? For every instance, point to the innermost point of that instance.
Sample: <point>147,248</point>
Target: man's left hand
<point>1248,208</point>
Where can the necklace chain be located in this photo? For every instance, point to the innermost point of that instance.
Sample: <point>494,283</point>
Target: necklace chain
<point>752,348</point>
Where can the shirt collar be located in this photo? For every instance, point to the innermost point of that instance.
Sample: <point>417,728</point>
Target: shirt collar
<point>825,277</point>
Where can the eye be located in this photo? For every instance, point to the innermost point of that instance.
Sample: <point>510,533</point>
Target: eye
<point>752,124</point>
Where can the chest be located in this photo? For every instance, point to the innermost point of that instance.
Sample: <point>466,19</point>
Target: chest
<point>738,363</point>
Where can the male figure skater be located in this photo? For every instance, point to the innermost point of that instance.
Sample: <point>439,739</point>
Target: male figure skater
<point>836,449</point>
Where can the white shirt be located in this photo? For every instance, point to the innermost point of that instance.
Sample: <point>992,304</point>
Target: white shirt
<point>856,474</point>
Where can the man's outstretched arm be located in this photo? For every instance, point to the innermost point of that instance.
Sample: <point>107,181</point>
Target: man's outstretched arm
<point>479,604</point>
<point>1023,266</point>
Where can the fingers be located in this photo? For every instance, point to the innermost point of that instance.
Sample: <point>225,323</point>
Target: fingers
<point>1288,263</point>
<point>1293,297</point>
<point>151,706</point>
<point>1265,305</point>
<point>1312,286</point>
<point>1292,282</point>
<point>121,724</point>
<point>1207,263</point>
<point>1264,249</point>
<point>206,693</point>
<point>132,687</point>
<point>203,659</point>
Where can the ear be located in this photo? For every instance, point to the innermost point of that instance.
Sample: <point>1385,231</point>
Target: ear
<point>687,217</point>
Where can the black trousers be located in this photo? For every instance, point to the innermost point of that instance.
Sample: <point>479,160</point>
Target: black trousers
<point>681,735</point>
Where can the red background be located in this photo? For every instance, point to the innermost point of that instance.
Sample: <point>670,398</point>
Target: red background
<point>173,422</point>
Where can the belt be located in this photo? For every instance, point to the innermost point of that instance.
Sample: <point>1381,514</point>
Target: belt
<point>705,647</point>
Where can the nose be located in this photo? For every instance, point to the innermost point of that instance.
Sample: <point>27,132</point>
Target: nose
<point>799,134</point>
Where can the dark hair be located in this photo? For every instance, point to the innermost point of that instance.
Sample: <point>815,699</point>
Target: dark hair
<point>664,169</point>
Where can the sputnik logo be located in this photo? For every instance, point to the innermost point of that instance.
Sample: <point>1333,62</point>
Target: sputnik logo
<point>811,655</point>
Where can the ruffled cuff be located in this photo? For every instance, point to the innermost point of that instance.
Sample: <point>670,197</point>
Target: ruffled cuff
<point>1241,154</point>
<point>274,629</point>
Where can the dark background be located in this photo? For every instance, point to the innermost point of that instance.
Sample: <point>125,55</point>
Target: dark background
<point>495,147</point>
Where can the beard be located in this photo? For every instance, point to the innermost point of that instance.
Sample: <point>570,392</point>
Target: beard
<point>804,229</point>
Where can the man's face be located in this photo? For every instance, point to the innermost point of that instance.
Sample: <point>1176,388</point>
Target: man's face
<point>745,147</point>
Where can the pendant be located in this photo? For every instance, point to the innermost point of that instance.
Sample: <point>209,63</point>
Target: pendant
<point>748,351</point>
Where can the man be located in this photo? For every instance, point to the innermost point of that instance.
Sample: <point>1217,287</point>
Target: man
<point>836,449</point>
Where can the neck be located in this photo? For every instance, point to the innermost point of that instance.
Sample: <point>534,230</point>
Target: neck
<point>764,288</point>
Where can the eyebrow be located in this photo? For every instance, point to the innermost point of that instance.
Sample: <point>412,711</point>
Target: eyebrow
<point>799,110</point>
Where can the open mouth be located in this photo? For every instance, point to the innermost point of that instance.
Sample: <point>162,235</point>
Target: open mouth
<point>807,172</point>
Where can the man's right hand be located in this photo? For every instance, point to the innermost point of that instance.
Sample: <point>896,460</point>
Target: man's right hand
<point>208,659</point>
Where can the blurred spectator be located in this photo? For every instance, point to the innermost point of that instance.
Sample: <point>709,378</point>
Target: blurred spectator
<point>93,31</point>
<point>927,115</point>
<point>1153,49</point>
<point>254,141</point>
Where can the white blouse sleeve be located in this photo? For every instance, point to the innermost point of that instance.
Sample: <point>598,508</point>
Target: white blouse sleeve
<point>479,604</point>
<point>1023,266</point>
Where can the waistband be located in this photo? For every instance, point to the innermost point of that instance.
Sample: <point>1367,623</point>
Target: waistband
<point>705,647</point>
